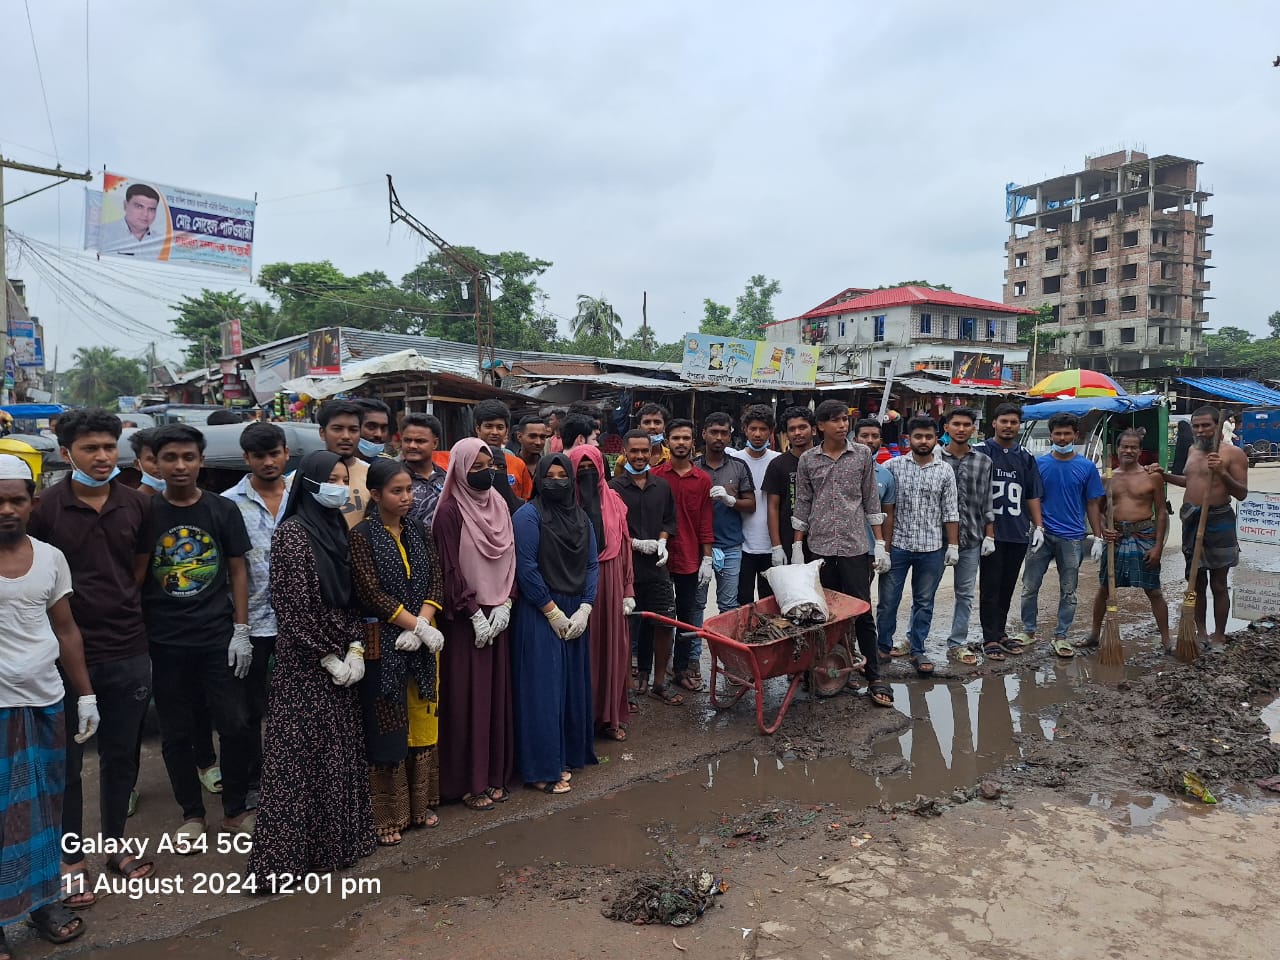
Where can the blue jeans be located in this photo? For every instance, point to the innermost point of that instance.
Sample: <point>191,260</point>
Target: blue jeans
<point>965,579</point>
<point>926,574</point>
<point>1066,555</point>
<point>726,594</point>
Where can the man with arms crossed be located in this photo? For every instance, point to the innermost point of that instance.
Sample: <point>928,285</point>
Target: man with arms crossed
<point>779,485</point>
<point>757,424</point>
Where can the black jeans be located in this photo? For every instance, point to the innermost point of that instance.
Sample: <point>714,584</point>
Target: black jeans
<point>998,575</point>
<point>264,648</point>
<point>752,577</point>
<point>178,675</point>
<point>123,689</point>
<point>852,576</point>
<point>687,611</point>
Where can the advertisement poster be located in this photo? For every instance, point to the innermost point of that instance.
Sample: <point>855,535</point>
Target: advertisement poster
<point>155,223</point>
<point>739,363</point>
<point>1258,518</point>
<point>324,353</point>
<point>232,341</point>
<point>26,344</point>
<point>977,369</point>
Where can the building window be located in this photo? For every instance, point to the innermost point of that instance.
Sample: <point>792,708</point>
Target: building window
<point>991,329</point>
<point>1130,238</point>
<point>968,328</point>
<point>1155,303</point>
<point>1019,259</point>
<point>841,329</point>
<point>879,328</point>
<point>1082,308</point>
<point>946,328</point>
<point>1099,307</point>
<point>1004,331</point>
<point>1051,285</point>
<point>1100,275</point>
<point>1128,304</point>
<point>1053,313</point>
<point>1095,338</point>
<point>1129,271</point>
<point>1050,254</point>
<point>1159,238</point>
<point>1020,288</point>
<point>926,322</point>
<point>1164,336</point>
<point>1082,278</point>
<point>1101,244</point>
<point>1128,335</point>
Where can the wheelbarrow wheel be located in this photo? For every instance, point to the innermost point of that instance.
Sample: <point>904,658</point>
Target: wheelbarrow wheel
<point>830,673</point>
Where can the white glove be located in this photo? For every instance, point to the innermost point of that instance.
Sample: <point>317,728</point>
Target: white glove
<point>797,553</point>
<point>662,554</point>
<point>431,638</point>
<point>628,606</point>
<point>952,556</point>
<point>778,556</point>
<point>355,664</point>
<point>408,641</point>
<point>645,546</point>
<point>500,618</point>
<point>337,668</point>
<point>578,622</point>
<point>1095,552</point>
<point>480,623</point>
<point>724,496</point>
<point>705,572</point>
<point>240,650</point>
<point>882,563</point>
<point>1037,538</point>
<point>988,546</point>
<point>87,714</point>
<point>559,622</point>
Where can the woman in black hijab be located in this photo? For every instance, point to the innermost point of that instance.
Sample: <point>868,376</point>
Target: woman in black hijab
<point>314,815</point>
<point>556,569</point>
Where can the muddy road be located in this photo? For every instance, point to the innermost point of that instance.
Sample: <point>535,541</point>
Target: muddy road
<point>1029,808</point>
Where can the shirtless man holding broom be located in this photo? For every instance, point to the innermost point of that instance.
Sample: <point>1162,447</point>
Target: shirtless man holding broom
<point>1214,474</point>
<point>1137,528</point>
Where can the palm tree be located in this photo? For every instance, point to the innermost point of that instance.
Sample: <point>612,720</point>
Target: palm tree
<point>596,318</point>
<point>100,374</point>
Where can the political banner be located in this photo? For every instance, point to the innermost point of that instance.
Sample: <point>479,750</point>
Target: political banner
<point>232,341</point>
<point>734,362</point>
<point>26,344</point>
<point>972,369</point>
<point>324,352</point>
<point>156,223</point>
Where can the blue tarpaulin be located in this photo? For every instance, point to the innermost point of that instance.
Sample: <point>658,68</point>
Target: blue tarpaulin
<point>1079,406</point>
<point>1237,391</point>
<point>33,410</point>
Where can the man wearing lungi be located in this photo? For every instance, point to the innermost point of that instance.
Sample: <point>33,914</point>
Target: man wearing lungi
<point>36,631</point>
<point>1138,529</point>
<point>1215,473</point>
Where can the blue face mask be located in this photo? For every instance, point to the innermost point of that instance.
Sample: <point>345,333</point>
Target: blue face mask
<point>763,446</point>
<point>1063,448</point>
<point>656,438</point>
<point>82,478</point>
<point>155,483</point>
<point>370,449</point>
<point>633,471</point>
<point>332,496</point>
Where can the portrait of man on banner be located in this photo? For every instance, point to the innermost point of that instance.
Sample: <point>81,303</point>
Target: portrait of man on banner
<point>136,233</point>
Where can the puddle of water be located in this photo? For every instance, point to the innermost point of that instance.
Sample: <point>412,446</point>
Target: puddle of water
<point>1135,809</point>
<point>1271,717</point>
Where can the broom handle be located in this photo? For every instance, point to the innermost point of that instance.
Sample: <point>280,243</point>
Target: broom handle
<point>1204,517</point>
<point>1111,524</point>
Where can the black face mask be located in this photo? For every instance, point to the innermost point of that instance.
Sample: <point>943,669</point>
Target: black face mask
<point>557,491</point>
<point>480,481</point>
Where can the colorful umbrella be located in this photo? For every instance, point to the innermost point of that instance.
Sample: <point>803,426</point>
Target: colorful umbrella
<point>1077,383</point>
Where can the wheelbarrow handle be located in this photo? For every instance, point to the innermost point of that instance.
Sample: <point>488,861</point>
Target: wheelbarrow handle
<point>702,632</point>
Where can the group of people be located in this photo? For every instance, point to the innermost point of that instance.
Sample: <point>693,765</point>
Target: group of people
<point>371,636</point>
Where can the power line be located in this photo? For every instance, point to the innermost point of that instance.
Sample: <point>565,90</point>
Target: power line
<point>88,95</point>
<point>48,115</point>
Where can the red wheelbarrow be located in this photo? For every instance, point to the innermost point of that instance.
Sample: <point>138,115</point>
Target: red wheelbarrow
<point>822,651</point>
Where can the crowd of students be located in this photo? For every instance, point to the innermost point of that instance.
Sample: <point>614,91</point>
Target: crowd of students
<point>372,636</point>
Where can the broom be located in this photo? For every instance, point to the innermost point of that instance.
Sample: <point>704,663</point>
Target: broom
<point>1188,648</point>
<point>1110,651</point>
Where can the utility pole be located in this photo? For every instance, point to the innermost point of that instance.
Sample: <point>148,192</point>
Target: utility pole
<point>62,177</point>
<point>481,283</point>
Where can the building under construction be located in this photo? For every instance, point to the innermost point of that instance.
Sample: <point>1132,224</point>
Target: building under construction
<point>1118,252</point>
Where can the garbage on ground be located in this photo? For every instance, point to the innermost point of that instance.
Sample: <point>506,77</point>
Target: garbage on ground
<point>674,900</point>
<point>1195,787</point>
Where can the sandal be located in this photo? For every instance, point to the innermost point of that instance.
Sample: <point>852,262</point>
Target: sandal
<point>924,668</point>
<point>963,654</point>
<point>430,823</point>
<point>612,733</point>
<point>211,779</point>
<point>552,786</point>
<point>50,920</point>
<point>498,794</point>
<point>900,648</point>
<point>666,696</point>
<point>689,682</point>
<point>478,801</point>
<point>78,880</point>
<point>391,838</point>
<point>1088,643</point>
<point>994,651</point>
<point>881,694</point>
<point>1063,648</point>
<point>130,867</point>
<point>187,838</point>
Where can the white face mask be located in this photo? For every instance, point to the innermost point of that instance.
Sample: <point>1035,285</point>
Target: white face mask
<point>330,495</point>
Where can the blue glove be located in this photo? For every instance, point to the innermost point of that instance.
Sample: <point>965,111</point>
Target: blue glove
<point>717,559</point>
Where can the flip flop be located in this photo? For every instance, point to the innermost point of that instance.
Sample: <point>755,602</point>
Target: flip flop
<point>552,786</point>
<point>81,888</point>
<point>900,648</point>
<point>994,651</point>
<point>186,839</point>
<point>51,918</point>
<point>962,654</point>
<point>1063,648</point>
<point>666,696</point>
<point>126,865</point>
<point>881,694</point>
<point>211,779</point>
<point>924,668</point>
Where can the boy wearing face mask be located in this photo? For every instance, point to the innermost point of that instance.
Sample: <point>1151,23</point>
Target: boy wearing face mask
<point>757,552</point>
<point>653,419</point>
<point>94,520</point>
<point>144,461</point>
<point>375,428</point>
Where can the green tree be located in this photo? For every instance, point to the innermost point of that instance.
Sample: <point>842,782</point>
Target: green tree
<point>716,319</point>
<point>596,319</point>
<point>1227,345</point>
<point>1042,317</point>
<point>100,374</point>
<point>316,295</point>
<point>916,283</point>
<point>200,319</point>
<point>754,308</point>
<point>1273,322</point>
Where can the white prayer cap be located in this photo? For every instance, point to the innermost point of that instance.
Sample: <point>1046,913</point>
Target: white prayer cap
<point>14,468</point>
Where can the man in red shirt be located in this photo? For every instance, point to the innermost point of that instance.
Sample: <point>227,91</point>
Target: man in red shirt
<point>690,548</point>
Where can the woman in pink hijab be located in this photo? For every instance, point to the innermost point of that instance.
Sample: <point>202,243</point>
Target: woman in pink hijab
<point>472,530</point>
<point>610,629</point>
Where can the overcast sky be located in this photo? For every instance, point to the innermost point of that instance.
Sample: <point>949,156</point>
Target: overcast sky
<point>676,148</point>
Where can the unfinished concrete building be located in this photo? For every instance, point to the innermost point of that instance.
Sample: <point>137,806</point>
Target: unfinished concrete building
<point>1118,251</point>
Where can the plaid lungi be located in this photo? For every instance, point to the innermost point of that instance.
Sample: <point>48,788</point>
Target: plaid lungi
<point>1220,546</point>
<point>1131,567</point>
<point>32,779</point>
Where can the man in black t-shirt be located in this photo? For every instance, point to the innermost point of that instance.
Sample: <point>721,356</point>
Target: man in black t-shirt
<point>780,481</point>
<point>190,563</point>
